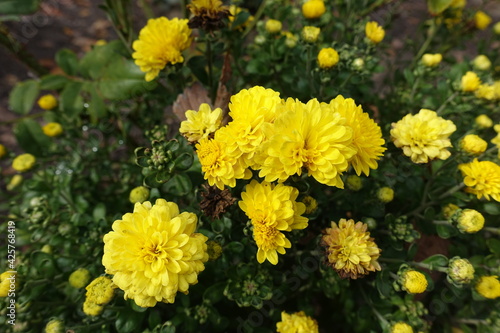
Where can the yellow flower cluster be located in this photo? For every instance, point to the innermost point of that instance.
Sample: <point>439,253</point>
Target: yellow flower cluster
<point>297,322</point>
<point>272,210</point>
<point>432,60</point>
<point>54,326</point>
<point>413,282</point>
<point>310,34</point>
<point>350,249</point>
<point>160,43</point>
<point>482,179</point>
<point>482,20</point>
<point>460,271</point>
<point>481,62</point>
<point>99,293</point>
<point>424,136</point>
<point>374,32</point>
<point>488,287</point>
<point>8,281</point>
<point>488,91</point>
<point>154,252</point>
<point>483,121</point>
<point>139,194</point>
<point>470,82</point>
<point>273,26</point>
<point>496,140</point>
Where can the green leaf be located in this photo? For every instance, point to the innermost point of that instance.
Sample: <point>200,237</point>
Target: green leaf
<point>494,245</point>
<point>53,82</point>
<point>23,96</point>
<point>93,64</point>
<point>384,283</point>
<point>446,231</point>
<point>184,161</point>
<point>31,138</point>
<point>129,321</point>
<point>68,61</point>
<point>97,108</point>
<point>18,7</point>
<point>99,212</point>
<point>492,208</point>
<point>436,7</point>
<point>179,185</point>
<point>214,293</point>
<point>197,66</point>
<point>71,99</point>
<point>44,263</point>
<point>437,260</point>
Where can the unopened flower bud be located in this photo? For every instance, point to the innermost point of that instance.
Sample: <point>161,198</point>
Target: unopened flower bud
<point>473,144</point>
<point>460,271</point>
<point>385,194</point>
<point>469,221</point>
<point>79,278</point>
<point>354,183</point>
<point>413,282</point>
<point>139,194</point>
<point>481,62</point>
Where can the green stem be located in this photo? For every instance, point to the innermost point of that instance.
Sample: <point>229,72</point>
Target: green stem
<point>374,6</point>
<point>448,100</point>
<point>346,80</point>
<point>441,222</point>
<point>383,322</point>
<point>414,89</point>
<point>146,9</point>
<point>493,230</point>
<point>469,321</point>
<point>430,36</point>
<point>413,263</point>
<point>256,18</point>
<point>211,89</point>
<point>308,68</point>
<point>35,115</point>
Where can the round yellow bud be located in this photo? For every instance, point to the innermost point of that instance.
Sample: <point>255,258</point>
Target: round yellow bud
<point>473,144</point>
<point>47,102</point>
<point>79,278</point>
<point>483,121</point>
<point>470,81</point>
<point>481,62</point>
<point>101,42</point>
<point>8,282</point>
<point>469,221</point>
<point>485,91</point>
<point>310,34</point>
<point>52,129</point>
<point>23,162</point>
<point>460,271</point>
<point>291,39</point>
<point>401,327</point>
<point>46,249</point>
<point>54,326</point>
<point>354,183</point>
<point>385,194</point>
<point>488,287</point>
<point>273,26</point>
<point>92,309</point>
<point>496,28</point>
<point>139,194</point>
<point>449,210</point>
<point>311,204</point>
<point>432,60</point>
<point>3,150</point>
<point>327,58</point>
<point>14,182</point>
<point>214,250</point>
<point>374,32</point>
<point>358,64</point>
<point>413,282</point>
<point>482,20</point>
<point>313,9</point>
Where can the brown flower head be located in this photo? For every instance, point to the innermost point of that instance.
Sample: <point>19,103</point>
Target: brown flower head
<point>209,15</point>
<point>215,202</point>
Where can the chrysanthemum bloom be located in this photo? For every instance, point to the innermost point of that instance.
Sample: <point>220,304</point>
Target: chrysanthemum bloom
<point>354,183</point>
<point>482,20</point>
<point>470,82</point>
<point>473,144</point>
<point>413,282</point>
<point>52,129</point>
<point>272,209</point>
<point>160,43</point>
<point>311,204</point>
<point>139,194</point>
<point>23,162</point>
<point>385,194</point>
<point>350,249</point>
<point>449,210</point>
<point>47,102</point>
<point>401,327</point>
<point>483,121</point>
<point>14,182</point>
<point>154,252</point>
<point>481,62</point>
<point>8,281</point>
<point>291,39</point>
<point>460,271</point>
<point>207,14</point>
<point>367,137</point>
<point>200,124</point>
<point>424,136</point>
<point>79,278</point>
<point>482,179</point>
<point>488,287</point>
<point>374,32</point>
<point>54,326</point>
<point>310,34</point>
<point>313,9</point>
<point>485,91</point>
<point>307,137</point>
<point>432,60</point>
<point>469,220</point>
<point>296,322</point>
<point>3,150</point>
<point>327,58</point>
<point>273,26</point>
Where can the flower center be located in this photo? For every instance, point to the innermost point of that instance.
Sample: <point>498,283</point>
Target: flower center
<point>209,153</point>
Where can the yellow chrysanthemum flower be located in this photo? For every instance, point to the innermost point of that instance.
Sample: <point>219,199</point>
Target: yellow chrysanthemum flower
<point>8,282</point>
<point>327,58</point>
<point>469,221</point>
<point>350,249</point>
<point>307,137</point>
<point>273,26</point>
<point>424,136</point>
<point>47,102</point>
<point>54,326</point>
<point>310,34</point>
<point>483,121</point>
<point>385,194</point>
<point>460,271</point>
<point>79,278</point>
<point>23,162</point>
<point>481,62</point>
<point>367,137</point>
<point>401,327</point>
<point>296,322</point>
<point>473,144</point>
<point>485,91</point>
<point>482,20</point>
<point>482,179</point>
<point>200,124</point>
<point>52,129</point>
<point>160,43</point>
<point>432,60</point>
<point>374,32</point>
<point>313,9</point>
<point>3,150</point>
<point>272,209</point>
<point>413,282</point>
<point>470,82</point>
<point>154,252</point>
<point>139,194</point>
<point>488,287</point>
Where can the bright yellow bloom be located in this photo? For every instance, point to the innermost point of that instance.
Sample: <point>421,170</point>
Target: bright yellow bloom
<point>310,34</point>
<point>47,102</point>
<point>273,26</point>
<point>432,60</point>
<point>485,91</point>
<point>200,124</point>
<point>307,137</point>
<point>160,43</point>
<point>469,221</point>
<point>374,32</point>
<point>8,282</point>
<point>424,136</point>
<point>367,137</point>
<point>401,327</point>
<point>154,252</point>
<point>139,194</point>
<point>482,20</point>
<point>470,81</point>
<point>413,282</point>
<point>14,182</point>
<point>473,144</point>
<point>54,326</point>
<point>481,62</point>
<point>23,162</point>
<point>483,121</point>
<point>460,271</point>
<point>296,322</point>
<point>3,151</point>
<point>350,249</point>
<point>79,278</point>
<point>488,287</point>
<point>272,209</point>
<point>327,58</point>
<point>52,129</point>
<point>449,210</point>
<point>482,179</point>
<point>385,194</point>
<point>313,9</point>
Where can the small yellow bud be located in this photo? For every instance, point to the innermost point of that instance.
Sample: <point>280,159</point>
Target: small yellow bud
<point>460,271</point>
<point>214,250</point>
<point>311,204</point>
<point>496,28</point>
<point>46,249</point>
<point>23,162</point>
<point>469,221</point>
<point>14,182</point>
<point>482,20</point>
<point>101,42</point>
<point>52,129</point>
<point>385,194</point>
<point>310,34</point>
<point>273,26</point>
<point>473,144</point>
<point>481,62</point>
<point>413,282</point>
<point>449,210</point>
<point>139,194</point>
<point>8,281</point>
<point>354,183</point>
<point>291,39</point>
<point>488,287</point>
<point>54,326</point>
<point>327,58</point>
<point>483,121</point>
<point>47,102</point>
<point>313,9</point>
<point>79,278</point>
<point>259,39</point>
<point>401,327</point>
<point>358,64</point>
<point>470,81</point>
<point>432,60</point>
<point>374,32</point>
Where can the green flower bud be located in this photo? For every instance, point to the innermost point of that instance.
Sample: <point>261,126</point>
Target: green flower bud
<point>79,278</point>
<point>139,194</point>
<point>460,271</point>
